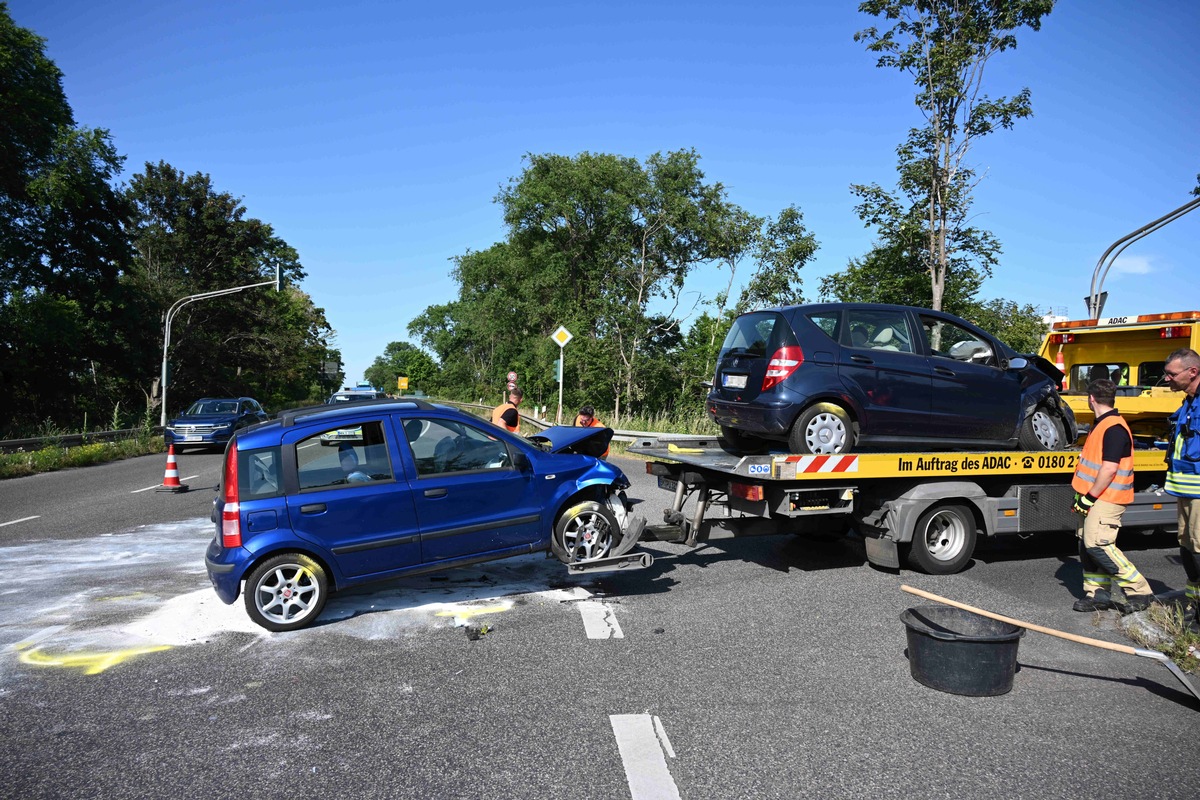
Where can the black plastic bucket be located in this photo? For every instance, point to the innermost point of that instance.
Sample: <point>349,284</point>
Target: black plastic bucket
<point>959,652</point>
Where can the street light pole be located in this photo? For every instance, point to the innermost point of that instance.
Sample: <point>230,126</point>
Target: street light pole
<point>176,307</point>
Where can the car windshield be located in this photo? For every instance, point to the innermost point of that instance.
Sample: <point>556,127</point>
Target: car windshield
<point>212,407</point>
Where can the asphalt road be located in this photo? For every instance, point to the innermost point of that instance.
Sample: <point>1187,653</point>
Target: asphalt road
<point>772,667</point>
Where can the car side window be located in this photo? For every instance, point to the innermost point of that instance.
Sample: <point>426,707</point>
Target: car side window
<point>442,446</point>
<point>878,329</point>
<point>945,339</point>
<point>354,461</point>
<point>259,473</point>
<point>827,321</point>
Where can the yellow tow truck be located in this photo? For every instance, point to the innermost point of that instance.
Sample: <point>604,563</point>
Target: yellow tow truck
<point>1130,351</point>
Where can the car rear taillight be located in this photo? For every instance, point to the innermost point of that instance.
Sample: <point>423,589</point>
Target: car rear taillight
<point>782,364</point>
<point>231,522</point>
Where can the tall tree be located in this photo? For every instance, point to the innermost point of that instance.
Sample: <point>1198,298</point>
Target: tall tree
<point>62,247</point>
<point>945,46</point>
<point>402,359</point>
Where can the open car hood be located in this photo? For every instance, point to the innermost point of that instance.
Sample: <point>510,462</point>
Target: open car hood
<point>564,439</point>
<point>1045,367</point>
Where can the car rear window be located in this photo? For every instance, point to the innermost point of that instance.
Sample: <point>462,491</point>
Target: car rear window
<point>757,334</point>
<point>259,473</point>
<point>827,321</point>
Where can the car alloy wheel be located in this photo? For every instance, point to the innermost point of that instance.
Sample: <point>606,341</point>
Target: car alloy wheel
<point>585,531</point>
<point>286,592</point>
<point>824,429</point>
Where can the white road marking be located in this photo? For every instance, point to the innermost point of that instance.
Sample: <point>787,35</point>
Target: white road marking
<point>157,485</point>
<point>600,620</point>
<point>642,755</point>
<point>22,519</point>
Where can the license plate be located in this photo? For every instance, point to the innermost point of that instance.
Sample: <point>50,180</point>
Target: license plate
<point>668,484</point>
<point>733,381</point>
<point>191,438</point>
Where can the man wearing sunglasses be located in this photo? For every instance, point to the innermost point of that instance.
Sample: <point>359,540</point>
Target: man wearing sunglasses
<point>1182,374</point>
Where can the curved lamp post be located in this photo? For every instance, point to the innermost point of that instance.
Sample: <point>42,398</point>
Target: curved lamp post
<point>175,309</point>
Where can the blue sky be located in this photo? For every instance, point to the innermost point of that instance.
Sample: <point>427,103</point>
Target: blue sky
<point>374,136</point>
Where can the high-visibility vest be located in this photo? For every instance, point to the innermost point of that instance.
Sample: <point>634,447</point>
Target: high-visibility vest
<point>1183,457</point>
<point>595,423</point>
<point>497,419</point>
<point>1120,491</point>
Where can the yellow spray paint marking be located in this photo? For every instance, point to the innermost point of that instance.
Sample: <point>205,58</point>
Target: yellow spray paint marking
<point>90,663</point>
<point>463,615</point>
<point>134,596</point>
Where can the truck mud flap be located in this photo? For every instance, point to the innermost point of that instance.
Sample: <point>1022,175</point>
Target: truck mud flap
<point>882,552</point>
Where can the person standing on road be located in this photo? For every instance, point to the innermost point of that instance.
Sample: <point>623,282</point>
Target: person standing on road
<point>506,415</point>
<point>1182,374</point>
<point>1103,485</point>
<point>586,418</point>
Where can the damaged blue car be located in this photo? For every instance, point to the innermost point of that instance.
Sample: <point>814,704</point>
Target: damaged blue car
<point>420,487</point>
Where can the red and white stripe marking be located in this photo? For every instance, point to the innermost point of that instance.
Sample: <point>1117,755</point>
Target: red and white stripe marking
<point>806,464</point>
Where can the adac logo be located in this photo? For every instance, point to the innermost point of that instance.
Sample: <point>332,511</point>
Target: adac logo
<point>1027,462</point>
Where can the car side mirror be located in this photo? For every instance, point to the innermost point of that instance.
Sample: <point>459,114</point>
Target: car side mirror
<point>1018,363</point>
<point>706,384</point>
<point>521,462</point>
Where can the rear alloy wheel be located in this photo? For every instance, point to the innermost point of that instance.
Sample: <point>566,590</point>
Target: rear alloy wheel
<point>585,531</point>
<point>286,592</point>
<point>943,541</point>
<point>740,441</point>
<point>824,429</point>
<point>1042,430</point>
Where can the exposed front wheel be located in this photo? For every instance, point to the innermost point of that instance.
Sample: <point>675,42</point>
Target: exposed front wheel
<point>585,530</point>
<point>824,429</point>
<point>1042,430</point>
<point>286,592</point>
<point>943,540</point>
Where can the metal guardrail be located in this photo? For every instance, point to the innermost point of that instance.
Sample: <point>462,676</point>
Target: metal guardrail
<point>618,435</point>
<point>71,439</point>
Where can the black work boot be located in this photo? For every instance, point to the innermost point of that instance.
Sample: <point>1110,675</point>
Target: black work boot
<point>1136,602</point>
<point>1100,601</point>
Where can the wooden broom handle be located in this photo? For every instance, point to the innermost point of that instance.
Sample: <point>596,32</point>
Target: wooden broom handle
<point>1120,648</point>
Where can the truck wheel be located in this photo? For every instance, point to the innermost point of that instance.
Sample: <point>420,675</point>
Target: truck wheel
<point>286,592</point>
<point>1042,430</point>
<point>742,442</point>
<point>585,530</point>
<point>824,429</point>
<point>943,540</point>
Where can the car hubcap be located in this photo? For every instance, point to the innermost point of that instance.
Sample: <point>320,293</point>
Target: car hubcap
<point>287,594</point>
<point>945,536</point>
<point>587,536</point>
<point>1045,430</point>
<point>825,434</point>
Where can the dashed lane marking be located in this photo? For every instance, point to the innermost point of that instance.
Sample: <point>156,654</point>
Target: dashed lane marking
<point>22,519</point>
<point>643,745</point>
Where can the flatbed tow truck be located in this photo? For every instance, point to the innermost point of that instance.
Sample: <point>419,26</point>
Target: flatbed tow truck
<point>931,506</point>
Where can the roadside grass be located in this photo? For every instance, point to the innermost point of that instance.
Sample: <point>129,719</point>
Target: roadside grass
<point>49,457</point>
<point>1169,635</point>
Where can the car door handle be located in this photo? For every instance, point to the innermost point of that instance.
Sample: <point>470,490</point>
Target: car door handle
<point>436,492</point>
<point>862,359</point>
<point>312,508</point>
<point>949,373</point>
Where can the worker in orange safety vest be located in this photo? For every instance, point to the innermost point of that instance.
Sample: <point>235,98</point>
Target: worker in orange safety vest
<point>506,415</point>
<point>586,418</point>
<point>1103,485</point>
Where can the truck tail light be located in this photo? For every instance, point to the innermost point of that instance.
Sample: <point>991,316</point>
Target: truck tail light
<point>231,517</point>
<point>1062,338</point>
<point>1175,332</point>
<point>746,491</point>
<point>782,364</point>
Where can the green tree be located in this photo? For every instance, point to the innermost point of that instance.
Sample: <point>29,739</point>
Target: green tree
<point>190,238</point>
<point>783,247</point>
<point>945,46</point>
<point>62,248</point>
<point>402,359</point>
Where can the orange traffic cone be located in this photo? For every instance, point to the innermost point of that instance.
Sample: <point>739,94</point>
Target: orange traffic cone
<point>1062,367</point>
<point>171,479</point>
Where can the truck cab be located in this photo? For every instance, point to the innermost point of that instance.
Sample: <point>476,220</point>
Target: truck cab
<point>1131,352</point>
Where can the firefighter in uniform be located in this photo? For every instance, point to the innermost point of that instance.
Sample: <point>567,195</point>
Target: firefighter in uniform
<point>506,415</point>
<point>586,418</point>
<point>1103,484</point>
<point>1182,374</point>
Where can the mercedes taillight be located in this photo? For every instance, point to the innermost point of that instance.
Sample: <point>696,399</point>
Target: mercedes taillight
<point>231,521</point>
<point>782,364</point>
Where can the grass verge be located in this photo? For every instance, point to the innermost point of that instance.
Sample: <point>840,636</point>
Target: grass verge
<point>53,457</point>
<point>1169,634</point>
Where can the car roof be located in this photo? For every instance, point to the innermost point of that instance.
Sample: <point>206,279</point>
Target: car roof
<point>845,306</point>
